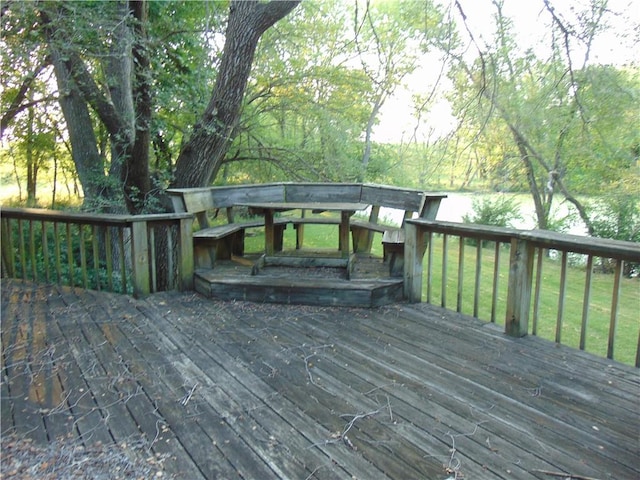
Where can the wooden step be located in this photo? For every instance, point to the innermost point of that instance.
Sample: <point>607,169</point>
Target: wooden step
<point>294,289</point>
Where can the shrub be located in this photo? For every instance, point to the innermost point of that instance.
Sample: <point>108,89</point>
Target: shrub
<point>618,218</point>
<point>501,211</point>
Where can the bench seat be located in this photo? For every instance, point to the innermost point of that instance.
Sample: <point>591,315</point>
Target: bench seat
<point>224,241</point>
<point>371,226</point>
<point>313,220</point>
<point>361,231</point>
<point>299,223</point>
<point>393,248</point>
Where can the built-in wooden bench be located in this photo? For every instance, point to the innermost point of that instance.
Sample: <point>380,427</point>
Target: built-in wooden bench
<point>318,192</point>
<point>219,242</point>
<point>393,248</point>
<point>414,203</point>
<point>212,243</point>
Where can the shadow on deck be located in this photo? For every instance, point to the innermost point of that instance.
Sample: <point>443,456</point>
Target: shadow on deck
<point>220,389</point>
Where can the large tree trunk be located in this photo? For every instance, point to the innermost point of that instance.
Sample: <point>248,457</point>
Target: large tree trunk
<point>89,164</point>
<point>139,164</point>
<point>118,67</point>
<point>125,110</point>
<point>201,157</point>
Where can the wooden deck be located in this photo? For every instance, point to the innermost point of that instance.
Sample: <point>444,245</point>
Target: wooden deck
<point>260,391</point>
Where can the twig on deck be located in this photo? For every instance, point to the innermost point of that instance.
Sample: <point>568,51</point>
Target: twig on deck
<point>453,467</point>
<point>566,476</point>
<point>342,437</point>
<point>308,357</point>
<point>188,396</point>
<point>382,387</point>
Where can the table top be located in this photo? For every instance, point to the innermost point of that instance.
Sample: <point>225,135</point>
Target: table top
<point>319,206</point>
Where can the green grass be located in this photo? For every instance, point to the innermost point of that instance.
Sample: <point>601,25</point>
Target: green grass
<point>628,322</point>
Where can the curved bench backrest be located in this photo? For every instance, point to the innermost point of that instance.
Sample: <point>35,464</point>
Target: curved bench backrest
<point>199,200</point>
<point>322,192</point>
<point>225,197</point>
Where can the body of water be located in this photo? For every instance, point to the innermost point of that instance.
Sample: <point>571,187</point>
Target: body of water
<point>457,205</point>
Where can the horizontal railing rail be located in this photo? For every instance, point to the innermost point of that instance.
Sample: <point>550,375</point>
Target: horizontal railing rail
<point>136,254</point>
<point>527,282</point>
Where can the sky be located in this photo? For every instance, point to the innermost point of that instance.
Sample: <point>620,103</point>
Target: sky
<point>531,22</point>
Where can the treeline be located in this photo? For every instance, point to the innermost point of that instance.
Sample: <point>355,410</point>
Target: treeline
<point>118,100</point>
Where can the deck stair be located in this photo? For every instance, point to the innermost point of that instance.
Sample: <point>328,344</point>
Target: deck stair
<point>367,286</point>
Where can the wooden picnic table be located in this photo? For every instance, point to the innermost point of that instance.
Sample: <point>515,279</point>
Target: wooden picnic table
<point>268,209</point>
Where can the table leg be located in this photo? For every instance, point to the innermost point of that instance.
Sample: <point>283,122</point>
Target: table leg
<point>344,233</point>
<point>268,232</point>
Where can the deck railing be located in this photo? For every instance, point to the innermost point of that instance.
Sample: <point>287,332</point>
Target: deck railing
<point>526,280</point>
<point>122,253</point>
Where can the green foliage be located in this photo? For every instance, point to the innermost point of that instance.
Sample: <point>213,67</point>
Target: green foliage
<point>303,113</point>
<point>185,40</point>
<point>65,256</point>
<point>538,116</point>
<point>501,211</point>
<point>626,336</point>
<point>317,79</point>
<point>618,217</point>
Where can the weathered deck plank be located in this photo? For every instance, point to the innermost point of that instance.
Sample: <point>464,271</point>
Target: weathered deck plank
<point>232,389</point>
<point>257,400</point>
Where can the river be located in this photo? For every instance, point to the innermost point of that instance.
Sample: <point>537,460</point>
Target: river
<point>457,205</point>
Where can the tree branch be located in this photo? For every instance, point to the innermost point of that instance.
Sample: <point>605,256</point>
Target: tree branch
<point>16,105</point>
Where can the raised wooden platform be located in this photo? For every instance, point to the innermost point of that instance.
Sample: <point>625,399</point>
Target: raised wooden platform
<point>216,390</point>
<point>367,285</point>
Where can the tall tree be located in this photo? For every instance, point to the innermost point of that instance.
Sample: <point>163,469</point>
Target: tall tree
<point>202,155</point>
<point>391,37</point>
<point>102,58</point>
<point>539,104</point>
<point>122,104</point>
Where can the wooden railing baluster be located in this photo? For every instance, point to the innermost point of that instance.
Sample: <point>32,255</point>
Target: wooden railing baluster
<point>8,261</point>
<point>45,252</point>
<point>476,285</point>
<point>561,297</point>
<point>56,246</point>
<point>496,277</point>
<point>585,302</point>
<point>445,255</point>
<point>151,233</point>
<point>123,261</point>
<point>430,268</point>
<point>70,255</point>
<point>615,297</point>
<point>460,274</point>
<point>96,255</point>
<point>536,293</point>
<point>88,243</point>
<point>522,294</point>
<point>32,252</point>
<point>83,257</point>
<point>109,260</point>
<point>21,250</point>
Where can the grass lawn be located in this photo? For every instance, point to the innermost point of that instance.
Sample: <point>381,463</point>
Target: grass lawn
<point>628,322</point>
